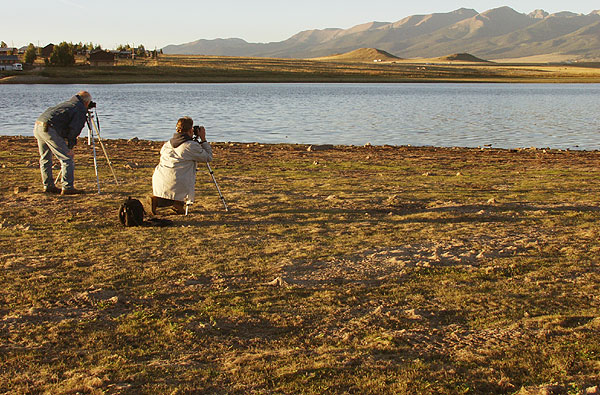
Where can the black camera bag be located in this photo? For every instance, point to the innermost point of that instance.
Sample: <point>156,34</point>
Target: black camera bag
<point>131,212</point>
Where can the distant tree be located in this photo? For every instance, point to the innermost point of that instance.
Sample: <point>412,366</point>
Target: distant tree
<point>140,51</point>
<point>76,48</point>
<point>3,45</point>
<point>91,47</point>
<point>62,55</point>
<point>30,54</point>
<point>124,47</point>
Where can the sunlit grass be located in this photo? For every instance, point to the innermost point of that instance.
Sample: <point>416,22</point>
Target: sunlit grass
<point>195,68</point>
<point>352,270</point>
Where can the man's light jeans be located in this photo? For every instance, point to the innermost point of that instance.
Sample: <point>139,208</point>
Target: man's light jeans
<point>49,142</point>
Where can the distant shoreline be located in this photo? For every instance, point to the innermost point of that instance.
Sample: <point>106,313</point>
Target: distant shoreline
<point>35,80</point>
<point>82,141</point>
<point>212,69</point>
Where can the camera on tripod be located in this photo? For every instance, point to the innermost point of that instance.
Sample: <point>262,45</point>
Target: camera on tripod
<point>91,105</point>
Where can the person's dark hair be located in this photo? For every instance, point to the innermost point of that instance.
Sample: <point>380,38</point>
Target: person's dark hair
<point>184,124</point>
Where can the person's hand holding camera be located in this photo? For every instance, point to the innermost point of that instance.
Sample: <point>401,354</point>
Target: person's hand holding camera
<point>200,133</point>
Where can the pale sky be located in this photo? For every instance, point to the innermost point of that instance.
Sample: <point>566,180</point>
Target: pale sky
<point>156,24</point>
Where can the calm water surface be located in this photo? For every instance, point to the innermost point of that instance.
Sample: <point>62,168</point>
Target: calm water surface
<point>469,115</point>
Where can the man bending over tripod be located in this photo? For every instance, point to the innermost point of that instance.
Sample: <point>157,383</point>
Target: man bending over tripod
<point>56,131</point>
<point>174,178</point>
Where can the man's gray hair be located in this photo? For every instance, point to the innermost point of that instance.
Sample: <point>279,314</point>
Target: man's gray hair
<point>85,96</point>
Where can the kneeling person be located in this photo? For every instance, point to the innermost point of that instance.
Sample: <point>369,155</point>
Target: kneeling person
<point>174,178</point>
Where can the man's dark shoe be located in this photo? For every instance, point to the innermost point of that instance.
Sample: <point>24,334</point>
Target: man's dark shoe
<point>52,189</point>
<point>72,191</point>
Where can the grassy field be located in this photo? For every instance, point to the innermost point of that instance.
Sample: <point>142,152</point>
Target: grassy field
<point>350,270</point>
<point>182,68</point>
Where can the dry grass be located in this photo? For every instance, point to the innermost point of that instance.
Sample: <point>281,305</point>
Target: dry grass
<point>351,270</point>
<point>191,68</point>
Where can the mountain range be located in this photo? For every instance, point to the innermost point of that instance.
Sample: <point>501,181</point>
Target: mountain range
<point>497,34</point>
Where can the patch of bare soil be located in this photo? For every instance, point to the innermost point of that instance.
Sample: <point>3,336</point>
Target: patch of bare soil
<point>390,263</point>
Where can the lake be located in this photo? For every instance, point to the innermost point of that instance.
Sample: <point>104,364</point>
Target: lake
<point>564,116</point>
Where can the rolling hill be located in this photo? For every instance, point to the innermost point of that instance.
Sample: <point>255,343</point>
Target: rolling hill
<point>496,34</point>
<point>361,55</point>
<point>461,58</point>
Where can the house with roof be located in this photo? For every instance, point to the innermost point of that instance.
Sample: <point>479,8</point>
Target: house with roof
<point>10,63</point>
<point>8,51</point>
<point>47,51</point>
<point>101,58</point>
<point>124,54</point>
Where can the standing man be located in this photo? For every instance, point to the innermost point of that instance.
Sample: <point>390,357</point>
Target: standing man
<point>174,178</point>
<point>56,131</point>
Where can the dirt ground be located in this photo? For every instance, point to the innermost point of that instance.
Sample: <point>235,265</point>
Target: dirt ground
<point>375,269</point>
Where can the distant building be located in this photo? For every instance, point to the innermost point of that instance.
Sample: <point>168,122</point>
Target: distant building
<point>123,54</point>
<point>132,53</point>
<point>8,51</point>
<point>101,58</point>
<point>10,62</point>
<point>47,51</point>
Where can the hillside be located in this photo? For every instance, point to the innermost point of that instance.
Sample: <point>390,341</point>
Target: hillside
<point>461,57</point>
<point>500,33</point>
<point>361,55</point>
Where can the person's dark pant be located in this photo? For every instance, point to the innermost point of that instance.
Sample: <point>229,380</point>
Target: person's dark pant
<point>177,205</point>
<point>49,142</point>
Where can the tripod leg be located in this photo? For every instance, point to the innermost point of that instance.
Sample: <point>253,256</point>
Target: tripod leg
<point>210,170</point>
<point>95,164</point>
<point>91,142</point>
<point>97,129</point>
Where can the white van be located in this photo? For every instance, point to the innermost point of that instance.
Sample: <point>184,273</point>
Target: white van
<point>18,66</point>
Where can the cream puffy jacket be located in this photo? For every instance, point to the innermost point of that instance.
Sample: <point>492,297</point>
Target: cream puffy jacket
<point>175,176</point>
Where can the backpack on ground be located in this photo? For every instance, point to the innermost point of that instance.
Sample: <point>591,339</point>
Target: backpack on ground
<point>131,213</point>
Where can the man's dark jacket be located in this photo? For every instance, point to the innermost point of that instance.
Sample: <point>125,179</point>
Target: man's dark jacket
<point>67,119</point>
